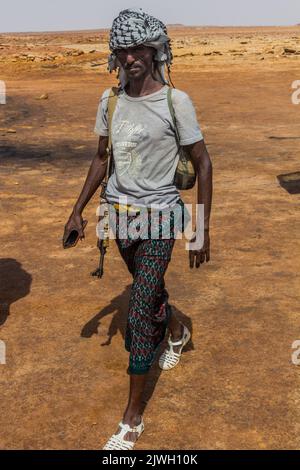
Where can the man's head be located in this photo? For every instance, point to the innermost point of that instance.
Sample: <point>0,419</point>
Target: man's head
<point>139,44</point>
<point>136,61</point>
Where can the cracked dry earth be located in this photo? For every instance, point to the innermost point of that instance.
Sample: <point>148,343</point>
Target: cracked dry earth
<point>64,385</point>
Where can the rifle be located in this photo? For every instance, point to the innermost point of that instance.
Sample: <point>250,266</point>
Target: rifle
<point>103,239</point>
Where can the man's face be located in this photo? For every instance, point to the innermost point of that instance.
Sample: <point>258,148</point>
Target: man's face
<point>136,61</point>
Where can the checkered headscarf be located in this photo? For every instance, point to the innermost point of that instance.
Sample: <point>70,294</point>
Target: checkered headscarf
<point>134,27</point>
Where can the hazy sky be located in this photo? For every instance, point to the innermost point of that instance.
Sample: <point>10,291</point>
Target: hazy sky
<point>55,15</point>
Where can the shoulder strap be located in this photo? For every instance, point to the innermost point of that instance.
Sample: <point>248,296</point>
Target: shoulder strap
<point>172,112</point>
<point>112,101</point>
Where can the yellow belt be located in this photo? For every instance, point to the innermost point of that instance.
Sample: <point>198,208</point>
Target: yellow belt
<point>127,208</point>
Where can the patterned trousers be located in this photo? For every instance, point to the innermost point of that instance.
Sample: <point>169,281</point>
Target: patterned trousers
<point>149,312</point>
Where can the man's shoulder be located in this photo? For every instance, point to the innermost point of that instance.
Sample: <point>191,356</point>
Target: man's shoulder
<point>103,102</point>
<point>178,96</point>
<point>105,94</point>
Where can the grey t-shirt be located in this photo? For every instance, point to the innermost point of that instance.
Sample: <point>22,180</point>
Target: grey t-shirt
<point>145,151</point>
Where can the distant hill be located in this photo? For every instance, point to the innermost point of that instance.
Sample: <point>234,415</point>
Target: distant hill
<point>176,25</point>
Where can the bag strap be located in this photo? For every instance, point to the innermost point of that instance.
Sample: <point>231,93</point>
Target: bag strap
<point>172,112</point>
<point>112,102</point>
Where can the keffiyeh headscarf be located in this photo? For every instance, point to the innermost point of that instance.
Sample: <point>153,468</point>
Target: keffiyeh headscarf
<point>134,27</point>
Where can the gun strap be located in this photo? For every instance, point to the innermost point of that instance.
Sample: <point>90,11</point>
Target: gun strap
<point>112,101</point>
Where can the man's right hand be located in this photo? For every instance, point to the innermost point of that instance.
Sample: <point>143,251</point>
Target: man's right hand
<point>75,222</point>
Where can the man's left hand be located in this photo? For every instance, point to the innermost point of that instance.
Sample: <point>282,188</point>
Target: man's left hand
<point>198,257</point>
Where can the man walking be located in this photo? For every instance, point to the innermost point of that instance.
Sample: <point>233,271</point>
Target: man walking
<point>145,156</point>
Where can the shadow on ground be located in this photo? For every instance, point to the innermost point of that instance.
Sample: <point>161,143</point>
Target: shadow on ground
<point>15,283</point>
<point>118,307</point>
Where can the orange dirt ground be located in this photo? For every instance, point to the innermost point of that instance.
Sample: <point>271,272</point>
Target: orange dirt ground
<point>64,385</point>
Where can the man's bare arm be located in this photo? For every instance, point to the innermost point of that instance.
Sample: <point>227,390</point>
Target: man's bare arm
<point>203,167</point>
<point>94,177</point>
<point>93,180</point>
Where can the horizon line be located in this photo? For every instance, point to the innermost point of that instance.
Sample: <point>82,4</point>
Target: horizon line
<point>174,25</point>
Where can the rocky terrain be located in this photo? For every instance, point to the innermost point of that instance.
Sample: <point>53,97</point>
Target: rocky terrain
<point>64,384</point>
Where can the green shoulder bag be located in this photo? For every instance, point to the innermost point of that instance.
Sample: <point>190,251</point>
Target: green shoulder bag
<point>185,175</point>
